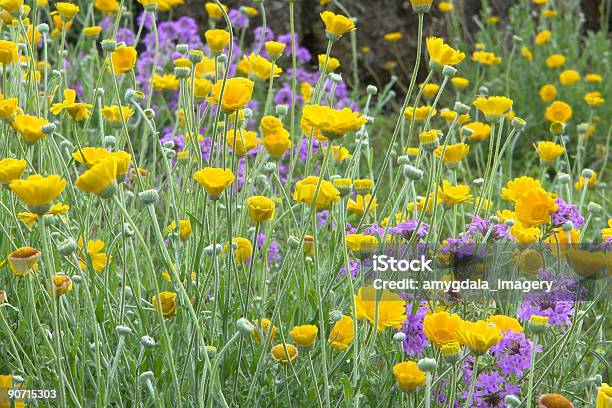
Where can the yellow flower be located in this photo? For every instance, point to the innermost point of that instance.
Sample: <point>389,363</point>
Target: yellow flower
<point>542,37</point>
<point>11,169</point>
<point>167,5</point>
<point>113,113</point>
<point>506,323</point>
<point>493,107</point>
<point>6,381</point>
<point>525,235</point>
<point>8,108</point>
<point>217,40</point>
<point>429,90</point>
<point>167,301</point>
<point>30,127</point>
<point>201,89</point>
<point>214,11</point>
<point>107,6</point>
<point>236,95</point>
<point>76,111</point>
<point>277,143</point>
<point>537,322</point>
<point>260,208</point>
<point>478,336</point>
<point>548,92</point>
<point>93,31</point>
<point>555,61</point>
<point>450,115</point>
<point>607,232</point>
<point>440,328</point>
<point>362,245</point>
<point>336,25</point>
<point>486,58</point>
<point>408,376</point>
<point>558,111</point>
<point>332,123</point>
<point>445,7</point>
<point>579,185</point>
<point>184,229</point>
<point>442,54</point>
<point>60,285</point>
<point>305,193</point>
<point>260,68</point>
<point>270,124</point>
<point>534,208</point>
<point>342,334</point>
<point>249,11</point>
<point>8,52</point>
<point>453,154</point>
<point>101,179</point>
<point>421,6</point>
<point>594,98</point>
<point>549,151</point>
<point>515,189</point>
<point>391,307</point>
<point>419,114</point>
<point>528,260</point>
<point>393,37</point>
<point>332,63</point>
<point>67,10</point>
<point>304,336</point>
<point>477,131</point>
<point>123,59</point>
<point>604,396</point>
<point>265,330</point>
<point>11,6</point>
<point>359,204</point>
<point>38,192</point>
<point>526,53</point>
<point>593,78</point>
<point>548,12</point>
<point>22,260</point>
<point>363,185</point>
<point>569,77</point>
<point>98,258</point>
<point>284,353</point>
<point>243,249</point>
<point>242,141</point>
<point>90,156</point>
<point>214,180</point>
<point>460,82</point>
<point>275,49</point>
<point>166,82</point>
<point>453,195</point>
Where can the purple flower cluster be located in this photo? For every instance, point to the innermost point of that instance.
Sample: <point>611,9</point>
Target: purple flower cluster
<point>462,248</point>
<point>273,248</point>
<point>413,329</point>
<point>480,225</point>
<point>557,304</point>
<point>567,212</point>
<point>408,228</point>
<point>513,353</point>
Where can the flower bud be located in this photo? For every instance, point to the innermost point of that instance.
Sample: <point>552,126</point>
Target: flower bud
<point>335,77</point>
<point>557,128</point>
<point>427,364</point>
<point>494,219</point>
<point>269,167</point>
<point>509,222</point>
<point>335,316</point>
<point>478,182</point>
<point>461,108</point>
<point>594,208</point>
<point>182,48</point>
<point>76,279</point>
<point>568,226</point>
<point>518,123</point>
<point>209,350</point>
<point>538,324</point>
<point>399,337</point>
<point>147,376</point>
<point>182,72</point>
<point>109,142</point>
<point>43,28</point>
<point>244,326</point>
<point>587,173</point>
<point>412,172</point>
<point>196,56</point>
<point>109,45</point>
<point>48,128</point>
<point>123,330</point>
<point>512,401</point>
<point>149,196</point>
<point>372,90</point>
<point>564,178</point>
<point>449,71</point>
<point>293,242</point>
<point>403,159</point>
<point>147,342</point>
<point>582,128</point>
<point>67,247</point>
<point>483,91</point>
<point>222,58</point>
<point>3,297</point>
<point>281,110</point>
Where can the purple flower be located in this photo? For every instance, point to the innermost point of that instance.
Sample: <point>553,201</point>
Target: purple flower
<point>513,353</point>
<point>409,227</point>
<point>567,212</point>
<point>354,268</point>
<point>238,19</point>
<point>413,329</point>
<point>273,248</point>
<point>490,388</point>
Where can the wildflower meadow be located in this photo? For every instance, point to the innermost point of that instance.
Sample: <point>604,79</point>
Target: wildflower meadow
<point>203,212</point>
